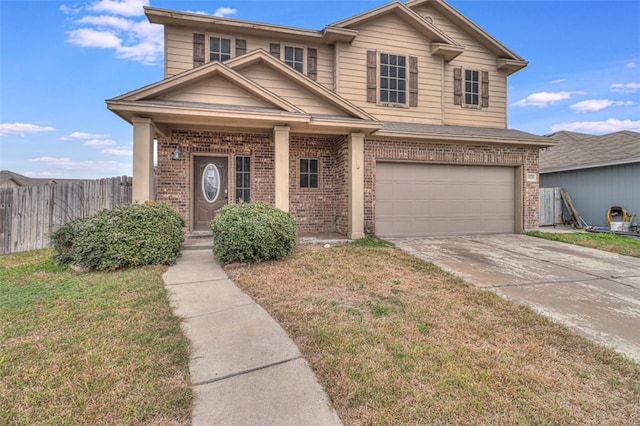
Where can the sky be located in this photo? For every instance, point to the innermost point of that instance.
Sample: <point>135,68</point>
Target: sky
<point>60,61</point>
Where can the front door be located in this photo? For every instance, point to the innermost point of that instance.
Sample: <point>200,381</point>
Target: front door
<point>210,189</point>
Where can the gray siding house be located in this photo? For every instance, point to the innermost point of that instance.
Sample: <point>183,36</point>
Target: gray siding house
<point>598,171</point>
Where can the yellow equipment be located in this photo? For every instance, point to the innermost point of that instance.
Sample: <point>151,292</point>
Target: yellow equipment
<point>617,214</point>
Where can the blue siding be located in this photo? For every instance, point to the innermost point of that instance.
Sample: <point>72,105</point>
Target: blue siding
<point>593,191</point>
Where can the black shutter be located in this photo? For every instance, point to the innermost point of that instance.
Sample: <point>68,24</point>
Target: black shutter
<point>371,76</point>
<point>457,86</point>
<point>198,49</point>
<point>413,81</point>
<point>241,47</point>
<point>312,64</point>
<point>274,49</point>
<point>485,89</point>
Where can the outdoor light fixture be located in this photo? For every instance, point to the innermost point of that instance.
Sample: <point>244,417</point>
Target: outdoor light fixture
<point>177,153</point>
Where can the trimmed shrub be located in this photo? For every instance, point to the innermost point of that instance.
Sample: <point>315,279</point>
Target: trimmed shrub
<point>63,239</point>
<point>126,236</point>
<point>251,232</point>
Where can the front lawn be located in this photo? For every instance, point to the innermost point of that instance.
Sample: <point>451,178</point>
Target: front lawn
<point>395,340</point>
<point>95,348</point>
<point>628,246</point>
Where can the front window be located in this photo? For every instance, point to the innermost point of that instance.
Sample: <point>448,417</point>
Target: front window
<point>393,79</point>
<point>219,49</point>
<point>308,173</point>
<point>294,57</point>
<point>471,87</point>
<point>243,178</point>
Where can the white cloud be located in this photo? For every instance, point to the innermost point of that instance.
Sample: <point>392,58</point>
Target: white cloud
<point>82,135</point>
<point>88,37</point>
<point>99,143</point>
<point>560,80</point>
<point>543,99</point>
<point>597,104</point>
<point>22,129</point>
<point>66,163</point>
<point>625,87</point>
<point>120,7</point>
<point>631,65</point>
<point>121,151</point>
<point>131,38</point>
<point>598,127</point>
<point>221,12</point>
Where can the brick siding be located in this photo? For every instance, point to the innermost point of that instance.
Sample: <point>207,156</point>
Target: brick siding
<point>323,209</point>
<point>445,153</point>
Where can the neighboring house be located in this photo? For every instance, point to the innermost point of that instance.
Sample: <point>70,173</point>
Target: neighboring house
<point>391,122</point>
<point>598,172</point>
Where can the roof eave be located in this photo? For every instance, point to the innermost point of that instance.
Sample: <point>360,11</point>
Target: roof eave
<point>591,165</point>
<point>463,138</point>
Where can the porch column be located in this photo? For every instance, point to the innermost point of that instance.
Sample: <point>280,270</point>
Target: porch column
<point>356,186</point>
<point>281,142</point>
<point>143,133</point>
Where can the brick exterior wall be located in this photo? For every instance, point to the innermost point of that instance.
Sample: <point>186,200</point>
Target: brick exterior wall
<point>323,209</point>
<point>315,209</point>
<point>445,153</point>
<point>174,176</point>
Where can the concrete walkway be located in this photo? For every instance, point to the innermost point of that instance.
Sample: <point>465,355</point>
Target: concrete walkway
<point>245,370</point>
<point>594,292</point>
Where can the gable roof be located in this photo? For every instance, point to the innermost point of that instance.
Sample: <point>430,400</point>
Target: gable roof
<point>149,99</point>
<point>442,44</point>
<point>576,151</point>
<point>507,59</point>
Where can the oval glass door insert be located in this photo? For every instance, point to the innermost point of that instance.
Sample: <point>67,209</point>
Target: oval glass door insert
<point>211,183</point>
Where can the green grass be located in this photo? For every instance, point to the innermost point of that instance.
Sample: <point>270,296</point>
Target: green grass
<point>95,348</point>
<point>628,246</point>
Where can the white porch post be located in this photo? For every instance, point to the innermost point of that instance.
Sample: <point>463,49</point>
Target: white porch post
<point>143,133</point>
<point>281,142</point>
<point>356,186</point>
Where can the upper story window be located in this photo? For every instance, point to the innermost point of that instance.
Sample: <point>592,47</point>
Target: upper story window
<point>471,87</point>
<point>219,49</point>
<point>393,79</point>
<point>294,57</point>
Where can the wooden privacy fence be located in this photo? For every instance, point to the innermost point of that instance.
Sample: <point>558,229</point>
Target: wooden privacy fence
<point>28,215</point>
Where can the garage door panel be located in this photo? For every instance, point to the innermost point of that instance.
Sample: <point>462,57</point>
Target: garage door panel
<point>426,199</point>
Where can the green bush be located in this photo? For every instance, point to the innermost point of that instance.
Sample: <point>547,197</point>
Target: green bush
<point>63,239</point>
<point>126,236</point>
<point>250,232</point>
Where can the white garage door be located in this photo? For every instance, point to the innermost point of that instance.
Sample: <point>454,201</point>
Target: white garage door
<point>433,199</point>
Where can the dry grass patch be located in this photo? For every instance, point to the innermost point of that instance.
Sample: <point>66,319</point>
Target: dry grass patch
<point>97,348</point>
<point>395,340</point>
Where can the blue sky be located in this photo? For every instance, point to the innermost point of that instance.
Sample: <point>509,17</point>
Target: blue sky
<point>59,61</point>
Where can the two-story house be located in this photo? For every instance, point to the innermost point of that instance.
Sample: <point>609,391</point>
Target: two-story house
<point>392,122</point>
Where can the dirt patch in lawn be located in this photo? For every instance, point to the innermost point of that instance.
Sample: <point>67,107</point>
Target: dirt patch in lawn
<point>395,340</point>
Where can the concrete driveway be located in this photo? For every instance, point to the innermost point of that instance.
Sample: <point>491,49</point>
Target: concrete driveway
<point>593,292</point>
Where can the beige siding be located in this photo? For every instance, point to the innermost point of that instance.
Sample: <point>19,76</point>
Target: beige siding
<point>391,34</point>
<point>478,57</point>
<point>215,90</point>
<point>290,91</point>
<point>179,52</point>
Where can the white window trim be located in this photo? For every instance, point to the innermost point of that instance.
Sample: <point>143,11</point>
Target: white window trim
<point>207,45</point>
<point>305,54</point>
<point>379,102</point>
<point>464,103</point>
